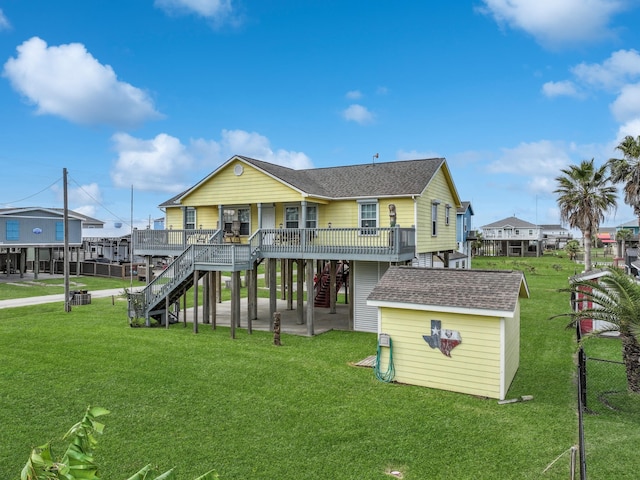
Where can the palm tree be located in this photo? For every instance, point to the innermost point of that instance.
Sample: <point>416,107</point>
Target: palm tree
<point>572,248</point>
<point>626,171</point>
<point>616,300</point>
<point>584,195</point>
<point>622,236</point>
<point>476,245</point>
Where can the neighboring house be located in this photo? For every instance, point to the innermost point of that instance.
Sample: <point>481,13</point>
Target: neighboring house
<point>555,236</point>
<point>606,237</point>
<point>631,226</point>
<point>456,330</point>
<point>323,220</point>
<point>111,244</point>
<point>512,237</point>
<point>32,234</point>
<point>581,302</point>
<point>463,230</point>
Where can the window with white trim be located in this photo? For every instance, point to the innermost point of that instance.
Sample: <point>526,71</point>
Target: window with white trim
<point>190,218</point>
<point>434,218</point>
<point>312,216</point>
<point>291,217</point>
<point>239,214</point>
<point>368,213</point>
<point>447,214</point>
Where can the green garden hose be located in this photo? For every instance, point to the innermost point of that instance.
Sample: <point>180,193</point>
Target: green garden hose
<point>390,373</point>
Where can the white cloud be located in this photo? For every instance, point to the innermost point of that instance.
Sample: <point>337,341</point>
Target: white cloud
<point>416,154</point>
<point>539,161</point>
<point>69,82</point>
<point>4,21</point>
<point>165,164</point>
<point>627,106</point>
<point>358,113</point>
<point>218,11</point>
<point>82,198</point>
<point>621,67</point>
<point>354,94</point>
<point>617,74</point>
<point>555,23</point>
<point>159,164</point>
<point>557,89</point>
<point>632,127</point>
<point>252,144</point>
<point>382,90</point>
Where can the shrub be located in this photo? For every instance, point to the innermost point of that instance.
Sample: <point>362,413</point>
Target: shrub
<point>77,462</point>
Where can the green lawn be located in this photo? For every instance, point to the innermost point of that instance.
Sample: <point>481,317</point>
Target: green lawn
<point>50,286</point>
<point>251,410</point>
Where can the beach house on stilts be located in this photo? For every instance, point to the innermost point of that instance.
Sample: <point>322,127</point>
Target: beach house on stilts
<point>337,227</point>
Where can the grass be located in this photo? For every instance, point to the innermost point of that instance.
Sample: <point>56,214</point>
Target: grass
<point>301,411</point>
<point>51,286</point>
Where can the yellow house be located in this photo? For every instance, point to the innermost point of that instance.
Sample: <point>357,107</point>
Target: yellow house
<point>328,221</point>
<point>456,330</point>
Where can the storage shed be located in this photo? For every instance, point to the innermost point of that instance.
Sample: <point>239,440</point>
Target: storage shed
<point>456,330</point>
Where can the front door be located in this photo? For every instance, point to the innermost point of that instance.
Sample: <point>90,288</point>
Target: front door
<point>268,221</point>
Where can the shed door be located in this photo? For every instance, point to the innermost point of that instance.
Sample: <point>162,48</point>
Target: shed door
<point>366,276</point>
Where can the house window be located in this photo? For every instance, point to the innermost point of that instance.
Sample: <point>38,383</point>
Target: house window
<point>368,218</point>
<point>447,213</point>
<point>59,231</point>
<point>312,216</point>
<point>434,219</point>
<point>242,215</point>
<point>291,217</point>
<point>13,230</point>
<point>517,232</point>
<point>190,218</point>
<point>530,233</point>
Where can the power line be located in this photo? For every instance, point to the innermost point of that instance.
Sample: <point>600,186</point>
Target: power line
<point>33,195</point>
<point>98,202</point>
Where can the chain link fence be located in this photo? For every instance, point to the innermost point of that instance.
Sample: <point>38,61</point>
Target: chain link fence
<point>600,382</point>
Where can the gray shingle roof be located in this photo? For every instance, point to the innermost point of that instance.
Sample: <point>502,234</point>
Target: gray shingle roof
<point>408,177</point>
<point>510,222</point>
<point>464,206</point>
<point>496,290</point>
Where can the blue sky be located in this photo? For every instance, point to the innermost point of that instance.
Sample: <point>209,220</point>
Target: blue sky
<point>153,95</point>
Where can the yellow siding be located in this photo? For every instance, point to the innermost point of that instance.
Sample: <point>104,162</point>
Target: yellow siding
<point>173,218</point>
<point>445,239</point>
<point>341,214</point>
<point>344,213</point>
<point>253,186</point>
<point>207,216</point>
<point>474,365</point>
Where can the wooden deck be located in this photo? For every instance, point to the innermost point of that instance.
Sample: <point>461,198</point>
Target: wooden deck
<point>375,244</point>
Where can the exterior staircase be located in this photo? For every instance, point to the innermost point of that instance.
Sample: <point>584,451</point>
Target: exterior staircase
<point>170,284</point>
<point>323,284</point>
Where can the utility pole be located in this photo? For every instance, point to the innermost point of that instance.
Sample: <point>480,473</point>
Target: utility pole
<point>67,303</point>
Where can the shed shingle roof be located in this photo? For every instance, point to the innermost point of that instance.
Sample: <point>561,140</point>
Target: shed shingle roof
<point>496,290</point>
